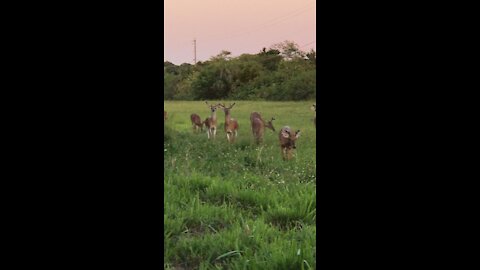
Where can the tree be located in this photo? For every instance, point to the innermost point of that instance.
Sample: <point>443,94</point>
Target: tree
<point>223,55</point>
<point>270,59</point>
<point>289,50</point>
<point>169,85</point>
<point>282,72</point>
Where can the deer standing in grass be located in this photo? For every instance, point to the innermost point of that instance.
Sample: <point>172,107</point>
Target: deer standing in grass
<point>314,108</point>
<point>196,122</point>
<point>287,142</point>
<point>259,125</point>
<point>211,122</point>
<point>231,125</point>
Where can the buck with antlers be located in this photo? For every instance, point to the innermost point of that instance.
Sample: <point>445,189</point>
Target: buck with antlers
<point>314,108</point>
<point>231,125</point>
<point>287,142</point>
<point>211,122</point>
<point>259,125</point>
<point>196,122</point>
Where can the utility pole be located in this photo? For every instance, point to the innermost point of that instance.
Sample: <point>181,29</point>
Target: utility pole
<point>194,51</point>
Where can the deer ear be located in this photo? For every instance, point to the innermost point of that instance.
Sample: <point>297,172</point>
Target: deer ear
<point>297,134</point>
<point>273,118</point>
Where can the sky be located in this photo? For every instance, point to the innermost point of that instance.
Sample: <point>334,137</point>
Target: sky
<point>237,26</point>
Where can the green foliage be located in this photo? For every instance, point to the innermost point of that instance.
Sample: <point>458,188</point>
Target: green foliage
<point>239,206</point>
<point>282,72</point>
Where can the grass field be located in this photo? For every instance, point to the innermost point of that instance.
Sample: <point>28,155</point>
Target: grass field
<point>239,206</point>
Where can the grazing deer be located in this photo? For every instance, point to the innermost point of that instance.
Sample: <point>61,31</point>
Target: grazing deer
<point>196,122</point>
<point>314,108</point>
<point>164,115</point>
<point>287,142</point>
<point>259,125</point>
<point>231,125</point>
<point>211,122</point>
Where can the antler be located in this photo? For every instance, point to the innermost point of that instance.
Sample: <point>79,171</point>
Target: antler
<point>211,105</point>
<point>225,107</point>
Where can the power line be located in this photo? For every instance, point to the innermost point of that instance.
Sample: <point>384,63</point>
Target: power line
<point>268,23</point>
<point>261,28</point>
<point>296,32</point>
<point>301,10</point>
<point>311,42</point>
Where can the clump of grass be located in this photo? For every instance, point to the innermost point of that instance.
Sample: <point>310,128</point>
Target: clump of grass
<point>238,206</point>
<point>252,201</point>
<point>284,218</point>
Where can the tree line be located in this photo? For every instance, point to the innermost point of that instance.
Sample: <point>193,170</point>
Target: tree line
<point>282,72</point>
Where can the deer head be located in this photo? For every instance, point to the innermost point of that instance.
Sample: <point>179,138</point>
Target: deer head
<point>287,142</point>
<point>289,138</point>
<point>225,108</point>
<point>270,124</point>
<point>213,108</point>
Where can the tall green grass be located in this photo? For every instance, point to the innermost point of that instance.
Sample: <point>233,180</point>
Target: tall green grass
<point>239,206</point>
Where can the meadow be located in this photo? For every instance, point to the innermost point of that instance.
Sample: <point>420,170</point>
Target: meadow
<point>239,206</point>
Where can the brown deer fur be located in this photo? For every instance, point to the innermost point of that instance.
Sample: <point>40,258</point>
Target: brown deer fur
<point>259,125</point>
<point>197,122</point>
<point>287,142</point>
<point>314,108</point>
<point>211,122</point>
<point>231,125</point>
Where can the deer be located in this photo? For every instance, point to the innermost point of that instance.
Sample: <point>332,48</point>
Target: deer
<point>231,125</point>
<point>314,108</point>
<point>164,115</point>
<point>196,122</point>
<point>287,142</point>
<point>259,125</point>
<point>211,122</point>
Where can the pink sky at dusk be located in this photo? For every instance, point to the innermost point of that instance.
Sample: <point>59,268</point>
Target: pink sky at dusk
<point>238,26</point>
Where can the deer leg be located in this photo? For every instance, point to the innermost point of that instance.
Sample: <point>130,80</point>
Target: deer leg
<point>290,154</point>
